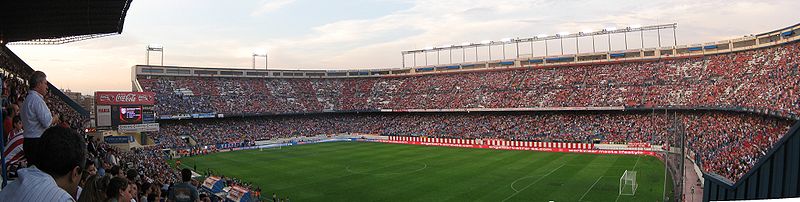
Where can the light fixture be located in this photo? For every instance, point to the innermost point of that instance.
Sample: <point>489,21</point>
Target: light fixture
<point>155,47</point>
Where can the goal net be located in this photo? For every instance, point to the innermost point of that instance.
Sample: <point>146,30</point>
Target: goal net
<point>270,148</point>
<point>627,183</point>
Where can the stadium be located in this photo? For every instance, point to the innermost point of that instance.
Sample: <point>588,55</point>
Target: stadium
<point>711,121</point>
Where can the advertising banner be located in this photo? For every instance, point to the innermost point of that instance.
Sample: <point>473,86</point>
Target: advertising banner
<point>103,115</point>
<point>124,98</point>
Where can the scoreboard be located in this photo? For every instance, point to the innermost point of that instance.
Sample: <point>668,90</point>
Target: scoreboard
<point>125,111</point>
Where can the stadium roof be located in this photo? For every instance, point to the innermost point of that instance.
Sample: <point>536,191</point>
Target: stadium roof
<point>60,21</point>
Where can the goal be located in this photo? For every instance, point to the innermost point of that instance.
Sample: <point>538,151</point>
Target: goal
<point>627,183</point>
<point>269,148</point>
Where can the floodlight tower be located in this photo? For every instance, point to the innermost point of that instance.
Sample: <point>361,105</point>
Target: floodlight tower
<point>154,48</point>
<point>260,53</point>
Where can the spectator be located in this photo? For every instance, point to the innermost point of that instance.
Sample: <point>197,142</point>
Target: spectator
<point>119,190</point>
<point>184,191</point>
<point>95,189</point>
<point>91,169</point>
<point>13,148</point>
<point>116,171</point>
<point>36,116</point>
<point>57,175</point>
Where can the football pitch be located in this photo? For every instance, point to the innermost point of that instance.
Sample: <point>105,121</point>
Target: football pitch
<point>359,171</point>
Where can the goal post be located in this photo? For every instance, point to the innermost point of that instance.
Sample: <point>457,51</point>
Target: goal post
<point>627,183</point>
<point>278,147</point>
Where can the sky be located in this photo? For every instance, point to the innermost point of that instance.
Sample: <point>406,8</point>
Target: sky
<point>359,34</point>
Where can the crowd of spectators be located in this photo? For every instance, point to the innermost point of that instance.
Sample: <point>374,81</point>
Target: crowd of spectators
<point>15,90</point>
<point>727,143</point>
<point>764,79</point>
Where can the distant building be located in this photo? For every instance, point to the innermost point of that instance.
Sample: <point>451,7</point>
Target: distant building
<point>86,101</point>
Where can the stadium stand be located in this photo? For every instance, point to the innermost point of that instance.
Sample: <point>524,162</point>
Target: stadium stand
<point>761,79</point>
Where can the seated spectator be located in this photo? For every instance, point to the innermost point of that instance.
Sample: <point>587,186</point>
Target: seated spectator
<point>95,189</point>
<point>119,190</point>
<point>57,175</point>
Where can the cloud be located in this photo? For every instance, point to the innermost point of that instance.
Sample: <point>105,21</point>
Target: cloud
<point>269,6</point>
<point>376,41</point>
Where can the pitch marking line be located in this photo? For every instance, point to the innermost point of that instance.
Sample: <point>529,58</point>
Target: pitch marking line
<point>590,188</point>
<point>515,181</point>
<point>534,182</point>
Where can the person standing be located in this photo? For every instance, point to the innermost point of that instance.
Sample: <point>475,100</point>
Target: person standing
<point>36,116</point>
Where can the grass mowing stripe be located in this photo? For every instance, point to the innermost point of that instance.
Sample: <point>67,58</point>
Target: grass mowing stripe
<point>590,188</point>
<point>318,172</point>
<point>534,182</point>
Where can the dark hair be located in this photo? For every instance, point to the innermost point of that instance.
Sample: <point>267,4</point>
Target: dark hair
<point>89,163</point>
<point>16,120</point>
<point>60,151</point>
<point>94,189</point>
<point>114,170</point>
<point>115,185</point>
<point>152,196</point>
<point>131,174</point>
<point>186,175</point>
<point>36,77</point>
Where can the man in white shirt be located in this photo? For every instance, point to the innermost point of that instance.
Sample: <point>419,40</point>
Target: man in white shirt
<point>36,116</point>
<point>58,173</point>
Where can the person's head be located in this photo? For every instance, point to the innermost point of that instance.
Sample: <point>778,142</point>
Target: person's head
<point>38,82</point>
<point>133,190</point>
<point>131,175</point>
<point>95,189</point>
<point>63,156</point>
<point>91,169</point>
<point>186,175</point>
<point>118,188</point>
<point>115,171</point>
<point>17,122</point>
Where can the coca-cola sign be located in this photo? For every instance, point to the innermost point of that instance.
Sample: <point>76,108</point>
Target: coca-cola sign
<point>125,98</point>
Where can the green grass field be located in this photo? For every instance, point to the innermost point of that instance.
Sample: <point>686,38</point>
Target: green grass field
<point>358,171</point>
